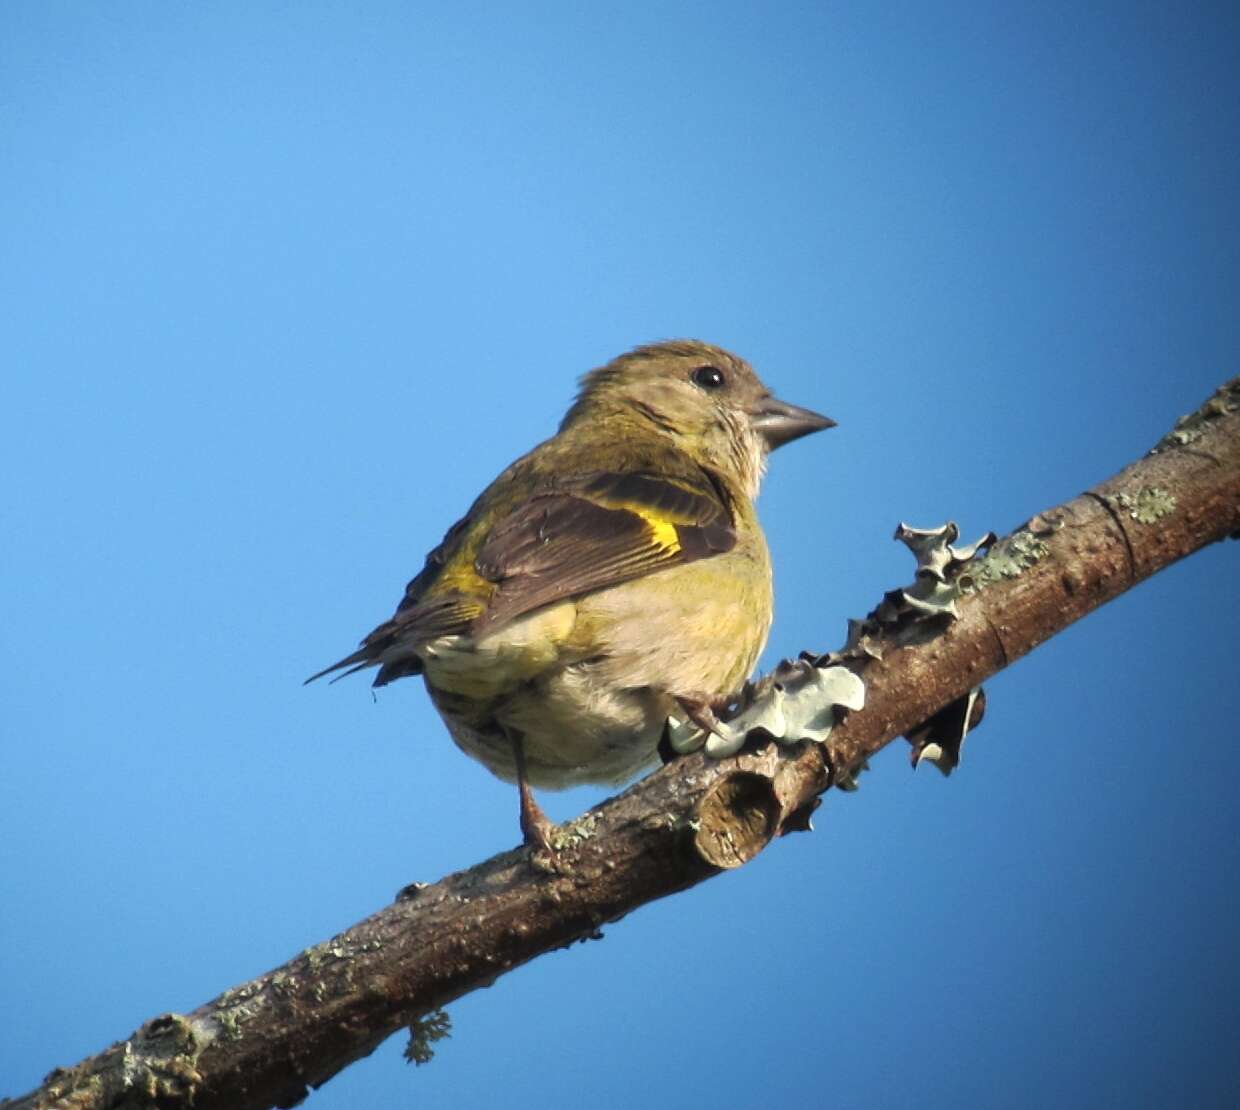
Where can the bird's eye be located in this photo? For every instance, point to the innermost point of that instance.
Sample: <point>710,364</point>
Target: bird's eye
<point>708,377</point>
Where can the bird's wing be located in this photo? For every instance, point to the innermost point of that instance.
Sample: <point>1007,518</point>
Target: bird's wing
<point>418,618</point>
<point>593,532</point>
<point>605,529</point>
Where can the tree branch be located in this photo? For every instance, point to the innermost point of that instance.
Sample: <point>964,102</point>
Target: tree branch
<point>265,1042</point>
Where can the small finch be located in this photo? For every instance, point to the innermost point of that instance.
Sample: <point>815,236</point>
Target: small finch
<point>612,578</point>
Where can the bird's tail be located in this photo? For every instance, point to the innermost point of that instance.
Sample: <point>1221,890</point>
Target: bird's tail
<point>358,661</point>
<point>391,646</point>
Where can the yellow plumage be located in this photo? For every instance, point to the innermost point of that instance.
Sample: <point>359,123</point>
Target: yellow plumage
<point>614,576</point>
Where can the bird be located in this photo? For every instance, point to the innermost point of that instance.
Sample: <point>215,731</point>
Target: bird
<point>612,580</point>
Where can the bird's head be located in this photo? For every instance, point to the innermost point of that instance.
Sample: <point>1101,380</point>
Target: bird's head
<point>709,401</point>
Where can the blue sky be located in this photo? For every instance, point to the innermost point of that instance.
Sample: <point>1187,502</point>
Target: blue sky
<point>286,284</point>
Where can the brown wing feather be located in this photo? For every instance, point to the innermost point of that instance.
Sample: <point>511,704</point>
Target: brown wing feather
<point>617,527</point>
<point>413,625</point>
<point>587,534</point>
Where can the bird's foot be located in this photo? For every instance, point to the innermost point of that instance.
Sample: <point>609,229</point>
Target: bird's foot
<point>536,827</point>
<point>701,714</point>
<point>720,738</point>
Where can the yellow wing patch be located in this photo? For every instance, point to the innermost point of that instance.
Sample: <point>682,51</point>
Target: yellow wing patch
<point>664,532</point>
<point>611,529</point>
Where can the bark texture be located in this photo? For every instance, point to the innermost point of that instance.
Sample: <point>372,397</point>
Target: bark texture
<point>266,1042</point>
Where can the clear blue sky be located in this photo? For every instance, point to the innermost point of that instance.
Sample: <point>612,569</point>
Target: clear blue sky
<point>285,284</point>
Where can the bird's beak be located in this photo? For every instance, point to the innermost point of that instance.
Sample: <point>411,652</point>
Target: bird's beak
<point>778,422</point>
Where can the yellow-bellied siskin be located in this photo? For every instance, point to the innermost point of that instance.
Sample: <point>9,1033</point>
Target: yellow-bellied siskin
<point>611,577</point>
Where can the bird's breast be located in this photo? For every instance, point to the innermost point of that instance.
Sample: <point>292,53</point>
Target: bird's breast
<point>589,683</point>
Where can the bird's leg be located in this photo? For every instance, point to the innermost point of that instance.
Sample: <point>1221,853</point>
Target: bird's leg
<point>536,826</point>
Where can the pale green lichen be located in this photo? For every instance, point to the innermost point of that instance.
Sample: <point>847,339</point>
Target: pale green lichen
<point>940,740</point>
<point>800,702</point>
<point>932,598</point>
<point>941,575</point>
<point>575,832</point>
<point>157,1066</point>
<point>861,642</point>
<point>231,1020</point>
<point>803,700</point>
<point>1190,428</point>
<point>935,550</point>
<point>1009,558</point>
<point>424,1032</point>
<point>1147,505</point>
<point>317,956</point>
